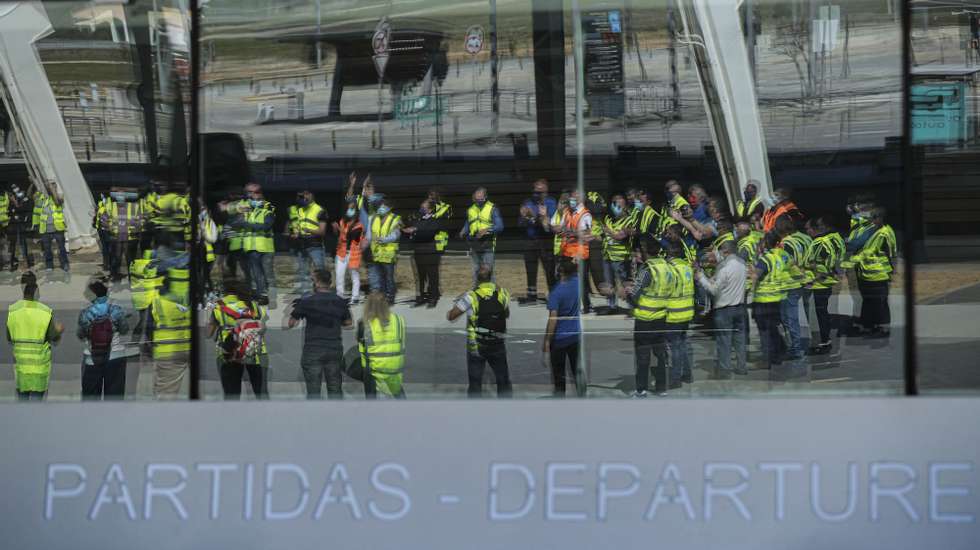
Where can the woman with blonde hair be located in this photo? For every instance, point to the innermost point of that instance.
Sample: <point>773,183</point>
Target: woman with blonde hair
<point>381,346</point>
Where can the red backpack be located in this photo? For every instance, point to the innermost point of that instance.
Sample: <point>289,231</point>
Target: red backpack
<point>242,342</point>
<point>100,338</point>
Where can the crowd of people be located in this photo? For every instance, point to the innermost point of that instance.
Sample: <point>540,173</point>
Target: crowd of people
<point>692,260</point>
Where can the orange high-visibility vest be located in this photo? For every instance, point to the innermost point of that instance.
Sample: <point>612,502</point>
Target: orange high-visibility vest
<point>571,246</point>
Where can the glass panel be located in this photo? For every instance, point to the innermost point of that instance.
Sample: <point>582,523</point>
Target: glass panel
<point>90,92</point>
<point>944,224</point>
<point>432,103</point>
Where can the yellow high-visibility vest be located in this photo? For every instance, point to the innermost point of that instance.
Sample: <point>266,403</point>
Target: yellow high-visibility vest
<point>383,353</point>
<point>652,303</point>
<point>27,323</point>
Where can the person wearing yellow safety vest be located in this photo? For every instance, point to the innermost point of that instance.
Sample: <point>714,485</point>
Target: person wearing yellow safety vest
<point>486,330</point>
<point>18,228</point>
<point>747,242</point>
<point>5,205</point>
<point>594,274</point>
<point>235,319</point>
<point>874,264</point>
<point>823,263</point>
<point>102,208</point>
<point>170,327</point>
<point>231,236</point>
<point>144,284</point>
<point>860,229</point>
<point>381,349</point>
<point>675,201</point>
<point>769,291</point>
<point>31,329</point>
<point>646,216</point>
<point>483,224</point>
<point>208,233</point>
<point>442,211</point>
<point>383,234</point>
<point>49,224</point>
<point>616,247</point>
<point>123,223</point>
<point>750,204</point>
<point>680,313</point>
<point>535,215</point>
<point>255,223</point>
<point>306,228</point>
<point>648,295</point>
<point>796,244</point>
<point>170,213</point>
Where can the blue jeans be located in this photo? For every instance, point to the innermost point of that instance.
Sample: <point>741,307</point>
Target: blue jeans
<point>304,256</point>
<point>260,271</point>
<point>480,259</point>
<point>58,238</point>
<point>680,365</point>
<point>615,272</point>
<point>382,279</point>
<point>730,327</point>
<point>789,314</point>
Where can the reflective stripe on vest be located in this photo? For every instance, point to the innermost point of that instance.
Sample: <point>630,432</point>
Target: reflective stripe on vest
<point>42,202</point>
<point>171,327</point>
<point>383,253</point>
<point>873,262</point>
<point>484,290</point>
<point>741,211</point>
<point>442,211</point>
<point>571,246</point>
<point>133,215</point>
<point>481,218</point>
<point>383,348</point>
<point>304,220</point>
<point>4,209</point>
<point>27,323</point>
<point>355,246</point>
<point>771,287</point>
<point>652,303</point>
<point>172,213</point>
<point>614,250</point>
<point>680,305</point>
<point>259,240</point>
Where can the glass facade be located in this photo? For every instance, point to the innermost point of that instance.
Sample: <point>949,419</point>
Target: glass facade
<point>514,198</point>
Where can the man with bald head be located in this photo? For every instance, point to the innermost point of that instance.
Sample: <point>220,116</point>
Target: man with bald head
<point>483,224</point>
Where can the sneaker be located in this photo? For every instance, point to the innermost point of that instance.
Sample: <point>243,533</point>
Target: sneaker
<point>638,394</point>
<point>741,372</point>
<point>263,300</point>
<point>419,302</point>
<point>527,300</point>
<point>819,349</point>
<point>675,386</point>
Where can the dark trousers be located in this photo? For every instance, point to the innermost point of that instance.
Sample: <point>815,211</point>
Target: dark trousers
<point>874,304</point>
<point>231,379</point>
<point>105,246</point>
<point>319,365</point>
<point>680,364</point>
<point>821,303</point>
<point>260,273</point>
<point>17,236</point>
<point>593,272</point>
<point>648,339</point>
<point>235,260</point>
<point>31,395</point>
<point>767,315</point>
<point>428,274</point>
<point>105,379</point>
<point>539,249</point>
<point>121,251</point>
<point>496,357</point>
<point>50,241</point>
<point>560,357</point>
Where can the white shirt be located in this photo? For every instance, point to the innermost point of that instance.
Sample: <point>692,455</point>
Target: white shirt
<point>728,285</point>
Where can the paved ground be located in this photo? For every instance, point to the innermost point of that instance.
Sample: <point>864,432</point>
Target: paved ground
<point>436,366</point>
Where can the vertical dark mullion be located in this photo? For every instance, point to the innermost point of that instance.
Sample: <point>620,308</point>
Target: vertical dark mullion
<point>909,233</point>
<point>195,193</point>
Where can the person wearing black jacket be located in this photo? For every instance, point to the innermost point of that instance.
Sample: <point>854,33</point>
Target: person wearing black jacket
<point>423,233</point>
<point>19,227</point>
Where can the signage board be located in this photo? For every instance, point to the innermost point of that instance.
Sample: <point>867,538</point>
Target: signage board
<point>709,473</point>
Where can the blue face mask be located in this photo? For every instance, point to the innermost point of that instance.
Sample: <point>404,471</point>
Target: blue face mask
<point>616,210</point>
<point>255,203</point>
<point>638,204</point>
<point>573,203</point>
<point>382,210</point>
<point>351,212</point>
<point>374,198</point>
<point>118,197</point>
